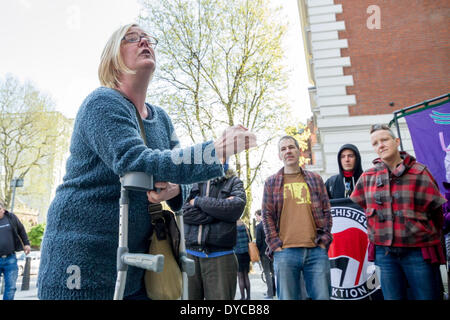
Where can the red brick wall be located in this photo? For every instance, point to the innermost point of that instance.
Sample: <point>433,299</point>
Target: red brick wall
<point>406,62</point>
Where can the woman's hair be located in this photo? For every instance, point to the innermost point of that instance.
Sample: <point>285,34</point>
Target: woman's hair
<point>377,127</point>
<point>111,62</point>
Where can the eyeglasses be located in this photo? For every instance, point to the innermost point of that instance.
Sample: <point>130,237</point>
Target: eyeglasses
<point>134,37</point>
<point>377,127</point>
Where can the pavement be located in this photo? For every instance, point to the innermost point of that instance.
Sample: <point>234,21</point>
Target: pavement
<point>257,287</point>
<point>30,294</point>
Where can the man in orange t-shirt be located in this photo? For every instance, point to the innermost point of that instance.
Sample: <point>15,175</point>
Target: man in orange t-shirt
<point>297,223</point>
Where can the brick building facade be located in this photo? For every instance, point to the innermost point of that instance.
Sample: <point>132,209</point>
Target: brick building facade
<point>366,59</point>
<point>406,61</point>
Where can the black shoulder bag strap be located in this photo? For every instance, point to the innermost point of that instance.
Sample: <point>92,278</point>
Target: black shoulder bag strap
<point>141,125</point>
<point>163,221</point>
<point>153,208</point>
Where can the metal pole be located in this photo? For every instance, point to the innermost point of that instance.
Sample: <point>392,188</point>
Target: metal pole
<point>15,182</point>
<point>14,185</point>
<point>179,217</point>
<point>398,131</point>
<point>403,113</point>
<point>426,102</point>
<point>122,268</point>
<point>26,274</point>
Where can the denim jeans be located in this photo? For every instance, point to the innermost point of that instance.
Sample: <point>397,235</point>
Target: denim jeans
<point>313,263</point>
<point>10,271</point>
<point>407,266</point>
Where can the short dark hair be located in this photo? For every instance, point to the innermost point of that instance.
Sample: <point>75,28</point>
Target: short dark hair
<point>288,137</point>
<point>377,127</point>
<point>353,151</point>
<point>258,212</point>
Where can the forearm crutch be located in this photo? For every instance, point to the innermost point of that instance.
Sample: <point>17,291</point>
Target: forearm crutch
<point>187,265</point>
<point>137,181</point>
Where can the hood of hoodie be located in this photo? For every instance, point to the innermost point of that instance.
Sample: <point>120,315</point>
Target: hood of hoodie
<point>228,174</point>
<point>357,170</point>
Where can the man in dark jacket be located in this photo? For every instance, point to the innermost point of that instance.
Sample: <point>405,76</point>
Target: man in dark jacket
<point>210,216</point>
<point>266,263</point>
<point>350,169</point>
<point>12,238</point>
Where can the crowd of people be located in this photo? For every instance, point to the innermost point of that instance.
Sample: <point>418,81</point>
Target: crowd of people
<point>404,211</point>
<point>401,199</point>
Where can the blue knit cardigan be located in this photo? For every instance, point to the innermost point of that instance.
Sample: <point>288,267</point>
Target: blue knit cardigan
<point>242,240</point>
<point>78,253</point>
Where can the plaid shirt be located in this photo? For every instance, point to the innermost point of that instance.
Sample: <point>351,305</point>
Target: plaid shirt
<point>403,207</point>
<point>272,206</point>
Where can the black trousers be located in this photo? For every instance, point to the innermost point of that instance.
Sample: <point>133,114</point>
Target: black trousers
<point>268,274</point>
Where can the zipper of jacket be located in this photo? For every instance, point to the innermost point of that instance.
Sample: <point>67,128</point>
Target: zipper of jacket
<point>200,229</point>
<point>199,236</point>
<point>199,240</point>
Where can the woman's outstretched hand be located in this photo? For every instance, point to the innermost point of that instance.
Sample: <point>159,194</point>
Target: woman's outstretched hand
<point>234,140</point>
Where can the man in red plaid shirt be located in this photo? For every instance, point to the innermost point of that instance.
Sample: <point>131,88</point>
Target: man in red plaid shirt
<point>297,223</point>
<point>404,219</point>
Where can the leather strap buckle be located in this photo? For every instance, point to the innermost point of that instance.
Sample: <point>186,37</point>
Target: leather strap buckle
<point>154,208</point>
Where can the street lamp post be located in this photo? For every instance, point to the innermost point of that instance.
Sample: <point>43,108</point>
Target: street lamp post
<point>15,183</point>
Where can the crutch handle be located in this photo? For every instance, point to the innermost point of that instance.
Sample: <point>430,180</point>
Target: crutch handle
<point>187,265</point>
<point>137,181</point>
<point>145,261</point>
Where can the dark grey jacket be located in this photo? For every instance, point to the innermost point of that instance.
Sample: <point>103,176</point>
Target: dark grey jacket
<point>210,224</point>
<point>261,239</point>
<point>19,233</point>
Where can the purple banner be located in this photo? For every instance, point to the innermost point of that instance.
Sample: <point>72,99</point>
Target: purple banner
<point>430,134</point>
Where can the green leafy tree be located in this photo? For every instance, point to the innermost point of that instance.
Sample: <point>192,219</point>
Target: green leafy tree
<point>31,135</point>
<point>219,65</point>
<point>301,133</point>
<point>35,235</point>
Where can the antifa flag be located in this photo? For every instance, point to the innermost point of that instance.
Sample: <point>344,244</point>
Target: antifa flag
<point>430,134</point>
<point>353,277</point>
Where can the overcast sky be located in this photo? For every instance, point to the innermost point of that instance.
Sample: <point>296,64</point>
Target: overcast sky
<point>57,45</point>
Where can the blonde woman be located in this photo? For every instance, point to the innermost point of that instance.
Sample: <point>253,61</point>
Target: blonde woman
<point>79,247</point>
